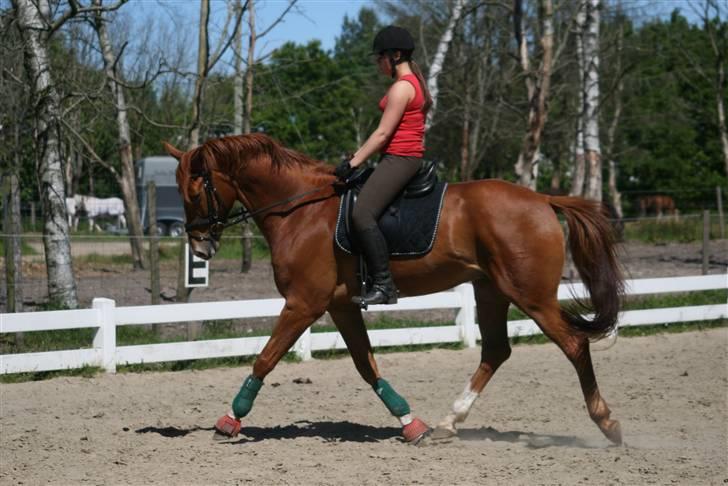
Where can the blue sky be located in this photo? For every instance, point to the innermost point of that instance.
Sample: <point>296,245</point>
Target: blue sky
<point>310,19</point>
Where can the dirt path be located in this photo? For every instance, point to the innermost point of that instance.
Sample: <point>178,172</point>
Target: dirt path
<point>530,427</point>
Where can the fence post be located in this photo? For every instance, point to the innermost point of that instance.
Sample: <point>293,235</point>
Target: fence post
<point>465,318</point>
<point>105,338</point>
<point>302,348</point>
<point>153,241</point>
<point>706,241</point>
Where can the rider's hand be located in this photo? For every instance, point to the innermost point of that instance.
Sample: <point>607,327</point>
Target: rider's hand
<point>343,170</point>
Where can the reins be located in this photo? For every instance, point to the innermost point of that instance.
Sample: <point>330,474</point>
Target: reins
<point>217,224</point>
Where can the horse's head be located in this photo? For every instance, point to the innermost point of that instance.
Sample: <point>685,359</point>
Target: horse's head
<point>78,201</point>
<point>208,195</point>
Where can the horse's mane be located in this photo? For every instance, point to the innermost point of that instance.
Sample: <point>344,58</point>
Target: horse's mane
<point>224,153</point>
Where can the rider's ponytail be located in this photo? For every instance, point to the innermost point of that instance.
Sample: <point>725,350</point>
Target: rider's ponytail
<point>418,72</point>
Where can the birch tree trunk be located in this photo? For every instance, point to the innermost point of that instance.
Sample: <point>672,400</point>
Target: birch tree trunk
<point>614,195</point>
<point>247,119</point>
<point>720,46</point>
<point>720,97</point>
<point>126,180</point>
<point>193,135</point>
<point>537,85</point>
<point>578,174</point>
<point>61,282</point>
<point>592,148</point>
<point>439,60</point>
<point>238,80</point>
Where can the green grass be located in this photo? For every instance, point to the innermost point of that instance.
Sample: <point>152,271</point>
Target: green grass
<point>25,248</point>
<point>686,230</point>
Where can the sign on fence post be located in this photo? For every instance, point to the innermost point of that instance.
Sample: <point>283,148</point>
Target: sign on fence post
<point>197,270</point>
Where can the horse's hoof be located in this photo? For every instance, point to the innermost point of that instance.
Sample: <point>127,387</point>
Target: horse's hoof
<point>415,431</point>
<point>226,427</point>
<point>613,431</point>
<point>443,432</point>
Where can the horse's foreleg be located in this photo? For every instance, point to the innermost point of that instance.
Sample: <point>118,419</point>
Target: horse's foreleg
<point>492,307</point>
<point>292,322</point>
<point>350,324</point>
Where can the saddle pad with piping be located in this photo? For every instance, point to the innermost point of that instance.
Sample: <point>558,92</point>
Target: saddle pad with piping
<point>409,224</point>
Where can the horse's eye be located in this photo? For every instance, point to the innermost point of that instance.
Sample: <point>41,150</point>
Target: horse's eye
<point>195,198</point>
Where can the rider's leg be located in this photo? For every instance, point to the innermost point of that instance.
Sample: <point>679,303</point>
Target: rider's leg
<point>388,180</point>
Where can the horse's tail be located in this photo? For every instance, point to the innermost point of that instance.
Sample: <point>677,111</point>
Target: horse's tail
<point>592,242</point>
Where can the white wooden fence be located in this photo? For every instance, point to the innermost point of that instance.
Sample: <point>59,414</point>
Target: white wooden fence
<point>105,317</point>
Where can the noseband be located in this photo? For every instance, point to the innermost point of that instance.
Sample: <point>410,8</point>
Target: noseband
<point>216,223</point>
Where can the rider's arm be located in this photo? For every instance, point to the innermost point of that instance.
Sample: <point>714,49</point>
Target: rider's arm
<point>398,97</point>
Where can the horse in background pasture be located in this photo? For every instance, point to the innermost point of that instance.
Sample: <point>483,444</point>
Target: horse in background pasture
<point>658,204</point>
<point>95,207</point>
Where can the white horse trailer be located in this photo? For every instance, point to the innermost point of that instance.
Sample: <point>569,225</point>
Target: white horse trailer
<point>170,212</point>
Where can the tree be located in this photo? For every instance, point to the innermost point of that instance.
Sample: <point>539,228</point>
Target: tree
<point>537,85</point>
<point>34,30</point>
<point>717,31</point>
<point>439,59</point>
<point>206,62</point>
<point>592,147</point>
<point>126,179</point>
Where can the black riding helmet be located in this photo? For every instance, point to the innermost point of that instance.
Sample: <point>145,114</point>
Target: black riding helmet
<point>393,38</point>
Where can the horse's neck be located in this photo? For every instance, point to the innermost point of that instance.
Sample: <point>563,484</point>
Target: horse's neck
<point>266,188</point>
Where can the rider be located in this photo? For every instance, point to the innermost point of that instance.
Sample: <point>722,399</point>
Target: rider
<point>399,138</point>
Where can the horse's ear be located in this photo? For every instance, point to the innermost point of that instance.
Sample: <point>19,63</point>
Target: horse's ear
<point>174,152</point>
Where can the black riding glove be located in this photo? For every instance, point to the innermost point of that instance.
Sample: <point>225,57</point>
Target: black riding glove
<point>343,170</point>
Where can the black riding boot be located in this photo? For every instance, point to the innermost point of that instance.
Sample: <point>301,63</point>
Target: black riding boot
<point>376,253</point>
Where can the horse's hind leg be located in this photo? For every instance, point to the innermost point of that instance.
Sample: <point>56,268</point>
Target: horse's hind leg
<point>576,347</point>
<point>492,308</point>
<point>350,324</point>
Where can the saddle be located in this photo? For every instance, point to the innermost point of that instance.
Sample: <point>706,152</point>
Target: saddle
<point>410,222</point>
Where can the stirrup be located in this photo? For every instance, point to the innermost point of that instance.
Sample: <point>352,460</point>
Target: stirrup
<point>377,295</point>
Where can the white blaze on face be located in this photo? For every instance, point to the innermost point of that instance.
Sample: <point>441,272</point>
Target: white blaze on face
<point>460,408</point>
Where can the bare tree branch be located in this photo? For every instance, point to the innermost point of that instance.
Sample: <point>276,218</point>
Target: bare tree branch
<point>278,20</point>
<point>76,9</point>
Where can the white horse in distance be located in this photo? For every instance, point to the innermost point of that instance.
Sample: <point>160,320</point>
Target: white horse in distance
<point>95,207</point>
<point>72,214</point>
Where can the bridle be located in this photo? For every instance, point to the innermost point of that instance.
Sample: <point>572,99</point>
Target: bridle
<point>216,223</point>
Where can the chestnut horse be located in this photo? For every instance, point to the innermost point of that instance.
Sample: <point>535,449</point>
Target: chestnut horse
<point>505,239</point>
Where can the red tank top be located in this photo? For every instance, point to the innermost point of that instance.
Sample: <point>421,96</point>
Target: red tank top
<point>410,133</point>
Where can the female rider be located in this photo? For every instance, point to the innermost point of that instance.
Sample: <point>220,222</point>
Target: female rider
<point>399,138</point>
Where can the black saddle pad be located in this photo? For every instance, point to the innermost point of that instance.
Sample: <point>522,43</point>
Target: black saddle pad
<point>409,224</point>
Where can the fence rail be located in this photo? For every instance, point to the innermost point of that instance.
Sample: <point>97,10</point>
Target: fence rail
<point>106,317</point>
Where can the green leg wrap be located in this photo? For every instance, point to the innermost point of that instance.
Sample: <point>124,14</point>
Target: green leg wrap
<point>396,405</point>
<point>243,401</point>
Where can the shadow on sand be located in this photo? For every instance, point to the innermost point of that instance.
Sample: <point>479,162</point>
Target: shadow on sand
<point>328,431</point>
<point>350,432</point>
